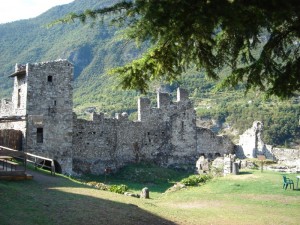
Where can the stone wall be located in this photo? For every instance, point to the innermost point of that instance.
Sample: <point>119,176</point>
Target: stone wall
<point>105,143</point>
<point>41,107</point>
<point>251,145</point>
<point>13,124</point>
<point>6,107</point>
<point>19,95</point>
<point>49,110</point>
<point>250,142</point>
<point>289,157</point>
<point>166,135</point>
<point>211,145</point>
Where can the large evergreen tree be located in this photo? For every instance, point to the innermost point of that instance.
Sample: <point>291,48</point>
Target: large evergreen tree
<point>258,40</point>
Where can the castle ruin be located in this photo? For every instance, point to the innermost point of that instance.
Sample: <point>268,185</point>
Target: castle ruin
<point>42,109</point>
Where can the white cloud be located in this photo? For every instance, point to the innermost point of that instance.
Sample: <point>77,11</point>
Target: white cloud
<point>12,10</point>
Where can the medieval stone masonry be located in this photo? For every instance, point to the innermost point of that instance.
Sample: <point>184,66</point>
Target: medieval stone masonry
<point>42,108</point>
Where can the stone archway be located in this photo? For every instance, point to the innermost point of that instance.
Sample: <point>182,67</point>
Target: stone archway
<point>57,167</point>
<point>46,165</point>
<point>217,155</point>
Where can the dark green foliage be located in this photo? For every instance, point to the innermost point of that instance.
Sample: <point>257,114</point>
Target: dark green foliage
<point>257,40</point>
<point>280,119</point>
<point>120,189</point>
<point>283,125</point>
<point>195,180</point>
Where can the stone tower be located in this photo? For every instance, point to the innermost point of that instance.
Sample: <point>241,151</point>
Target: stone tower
<point>43,94</point>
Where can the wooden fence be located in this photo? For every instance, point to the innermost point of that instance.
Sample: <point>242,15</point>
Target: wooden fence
<point>24,158</point>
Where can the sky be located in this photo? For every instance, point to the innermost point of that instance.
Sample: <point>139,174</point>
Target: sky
<point>11,10</point>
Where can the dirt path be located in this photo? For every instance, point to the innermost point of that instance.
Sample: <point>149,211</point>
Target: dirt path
<point>45,180</point>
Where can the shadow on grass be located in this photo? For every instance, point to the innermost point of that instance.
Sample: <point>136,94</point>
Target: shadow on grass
<point>245,172</point>
<point>56,200</point>
<point>138,176</point>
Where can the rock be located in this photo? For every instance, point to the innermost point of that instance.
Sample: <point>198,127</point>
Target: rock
<point>132,194</point>
<point>235,168</point>
<point>176,187</point>
<point>145,193</point>
<point>202,165</point>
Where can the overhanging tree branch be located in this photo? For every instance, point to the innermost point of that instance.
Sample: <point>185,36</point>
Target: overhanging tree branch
<point>258,41</point>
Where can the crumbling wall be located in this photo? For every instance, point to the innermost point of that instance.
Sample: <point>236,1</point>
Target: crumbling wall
<point>170,129</point>
<point>211,145</point>
<point>289,157</point>
<point>105,143</point>
<point>251,143</point>
<point>114,142</point>
<point>165,135</point>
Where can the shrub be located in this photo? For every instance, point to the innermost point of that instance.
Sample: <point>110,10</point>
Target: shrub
<point>195,180</point>
<point>120,189</point>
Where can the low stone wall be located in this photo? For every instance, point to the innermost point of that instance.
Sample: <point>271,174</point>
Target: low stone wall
<point>289,157</point>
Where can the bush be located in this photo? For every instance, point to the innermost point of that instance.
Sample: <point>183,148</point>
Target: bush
<point>120,189</point>
<point>195,180</point>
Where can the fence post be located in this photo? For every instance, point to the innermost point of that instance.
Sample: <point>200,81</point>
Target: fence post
<point>25,161</point>
<point>52,167</point>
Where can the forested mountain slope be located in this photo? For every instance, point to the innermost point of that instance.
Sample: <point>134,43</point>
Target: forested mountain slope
<point>96,47</point>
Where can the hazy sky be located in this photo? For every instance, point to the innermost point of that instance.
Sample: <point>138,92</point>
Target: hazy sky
<point>11,10</point>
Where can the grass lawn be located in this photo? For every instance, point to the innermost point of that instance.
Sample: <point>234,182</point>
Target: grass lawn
<point>249,198</point>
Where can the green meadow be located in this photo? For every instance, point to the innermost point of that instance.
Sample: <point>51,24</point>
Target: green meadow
<point>252,197</point>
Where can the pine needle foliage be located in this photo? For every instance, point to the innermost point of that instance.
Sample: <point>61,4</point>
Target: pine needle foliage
<point>211,35</point>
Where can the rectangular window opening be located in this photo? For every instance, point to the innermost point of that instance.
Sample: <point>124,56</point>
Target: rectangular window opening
<point>39,135</point>
<point>19,98</point>
<point>49,78</point>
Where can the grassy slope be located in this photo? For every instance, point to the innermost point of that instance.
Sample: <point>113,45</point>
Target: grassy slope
<point>250,198</point>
